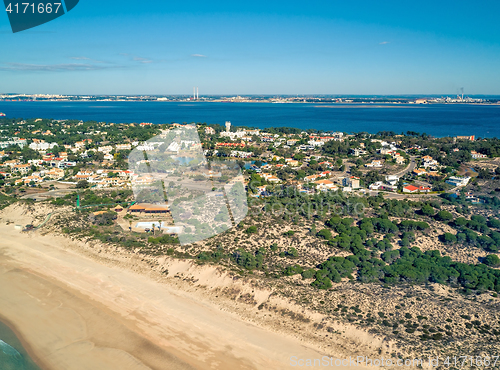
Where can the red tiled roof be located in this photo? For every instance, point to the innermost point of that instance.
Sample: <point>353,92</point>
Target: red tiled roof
<point>411,188</point>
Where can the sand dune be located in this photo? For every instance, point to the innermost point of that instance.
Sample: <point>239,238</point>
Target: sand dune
<point>76,313</point>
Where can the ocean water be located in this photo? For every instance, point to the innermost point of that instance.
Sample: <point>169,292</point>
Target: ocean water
<point>435,119</point>
<point>12,354</point>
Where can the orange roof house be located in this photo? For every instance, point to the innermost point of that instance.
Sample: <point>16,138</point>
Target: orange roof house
<point>410,189</point>
<point>157,209</point>
<point>148,208</point>
<point>137,208</point>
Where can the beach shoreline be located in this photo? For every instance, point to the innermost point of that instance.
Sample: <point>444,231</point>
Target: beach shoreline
<point>26,345</point>
<point>76,306</point>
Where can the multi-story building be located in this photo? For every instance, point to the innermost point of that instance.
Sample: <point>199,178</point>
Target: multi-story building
<point>458,181</point>
<point>22,168</point>
<point>351,182</point>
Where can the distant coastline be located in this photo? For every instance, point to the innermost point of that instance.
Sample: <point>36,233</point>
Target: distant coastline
<point>438,120</point>
<point>363,106</point>
<point>283,99</point>
<point>362,103</point>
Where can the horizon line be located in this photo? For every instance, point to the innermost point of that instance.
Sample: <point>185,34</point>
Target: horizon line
<point>257,94</point>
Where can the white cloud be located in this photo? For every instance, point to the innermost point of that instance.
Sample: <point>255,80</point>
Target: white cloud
<point>52,67</point>
<point>142,60</point>
<point>384,42</point>
<point>136,58</point>
<point>198,55</point>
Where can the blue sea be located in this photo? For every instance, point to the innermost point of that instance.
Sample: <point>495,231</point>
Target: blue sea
<point>12,354</point>
<point>434,119</point>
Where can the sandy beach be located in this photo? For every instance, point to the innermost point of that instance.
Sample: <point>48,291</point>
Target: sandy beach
<point>76,313</point>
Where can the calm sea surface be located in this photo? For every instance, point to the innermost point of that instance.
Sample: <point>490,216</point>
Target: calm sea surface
<point>437,119</point>
<point>12,354</point>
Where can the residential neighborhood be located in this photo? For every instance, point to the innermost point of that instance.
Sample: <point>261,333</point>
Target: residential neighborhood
<point>94,155</point>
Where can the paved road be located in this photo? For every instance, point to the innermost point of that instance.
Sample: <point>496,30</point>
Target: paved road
<point>387,194</point>
<point>408,169</point>
<point>395,196</point>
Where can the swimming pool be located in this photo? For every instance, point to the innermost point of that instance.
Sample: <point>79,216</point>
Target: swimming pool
<point>168,229</point>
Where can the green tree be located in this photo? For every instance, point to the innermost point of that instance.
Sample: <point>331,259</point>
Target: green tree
<point>83,184</point>
<point>322,283</point>
<point>427,210</point>
<point>494,222</point>
<point>444,216</point>
<point>492,260</point>
<point>326,234</point>
<point>448,238</point>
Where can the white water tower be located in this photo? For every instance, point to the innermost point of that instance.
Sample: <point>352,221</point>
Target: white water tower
<point>228,126</point>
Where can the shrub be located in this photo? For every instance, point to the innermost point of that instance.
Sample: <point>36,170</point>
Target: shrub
<point>292,252</point>
<point>251,230</point>
<point>293,270</point>
<point>437,336</point>
<point>248,260</point>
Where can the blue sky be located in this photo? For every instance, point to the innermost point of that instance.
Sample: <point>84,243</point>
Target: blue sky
<point>258,47</point>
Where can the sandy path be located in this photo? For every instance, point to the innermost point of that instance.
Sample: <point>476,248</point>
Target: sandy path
<point>78,314</point>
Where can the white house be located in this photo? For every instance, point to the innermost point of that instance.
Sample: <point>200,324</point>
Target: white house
<point>375,163</point>
<point>392,179</point>
<point>314,143</point>
<point>42,146</point>
<point>458,181</point>
<point>477,155</point>
<point>325,185</point>
<point>123,147</point>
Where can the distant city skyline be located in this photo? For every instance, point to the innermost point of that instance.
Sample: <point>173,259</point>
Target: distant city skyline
<point>257,48</point>
<point>6,95</point>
